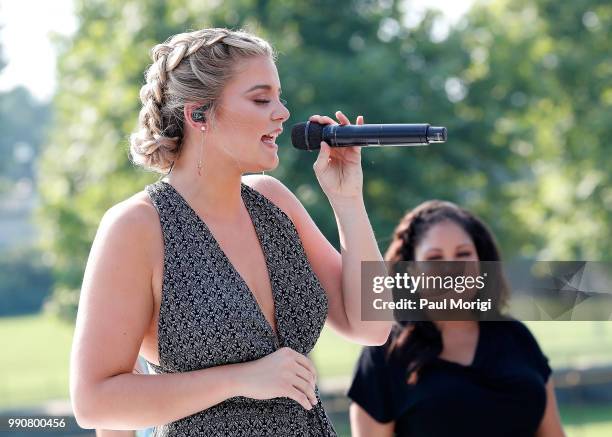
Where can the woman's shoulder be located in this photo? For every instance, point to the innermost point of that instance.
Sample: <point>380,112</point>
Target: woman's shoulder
<point>512,326</point>
<point>516,336</point>
<point>137,209</point>
<point>516,332</point>
<point>379,356</point>
<point>134,218</point>
<point>275,191</point>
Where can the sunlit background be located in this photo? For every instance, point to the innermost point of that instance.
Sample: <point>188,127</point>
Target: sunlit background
<point>524,87</point>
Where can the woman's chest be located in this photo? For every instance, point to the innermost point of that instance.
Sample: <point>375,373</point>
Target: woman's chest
<point>206,314</point>
<point>471,402</point>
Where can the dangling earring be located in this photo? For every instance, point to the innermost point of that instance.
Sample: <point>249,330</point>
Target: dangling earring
<point>201,147</point>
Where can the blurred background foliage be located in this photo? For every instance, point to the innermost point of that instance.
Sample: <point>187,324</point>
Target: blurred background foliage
<point>524,87</point>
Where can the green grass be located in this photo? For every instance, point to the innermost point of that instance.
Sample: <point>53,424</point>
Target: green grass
<point>35,357</point>
<point>590,430</point>
<point>573,343</point>
<point>333,355</point>
<point>574,415</point>
<point>34,361</point>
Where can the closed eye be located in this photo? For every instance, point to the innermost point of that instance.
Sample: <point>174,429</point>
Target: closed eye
<point>265,102</point>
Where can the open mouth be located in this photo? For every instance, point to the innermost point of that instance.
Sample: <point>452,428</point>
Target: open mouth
<point>268,139</point>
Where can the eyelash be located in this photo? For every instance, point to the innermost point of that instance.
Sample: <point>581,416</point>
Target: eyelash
<point>265,102</point>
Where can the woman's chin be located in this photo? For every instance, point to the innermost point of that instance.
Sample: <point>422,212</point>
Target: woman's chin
<point>267,165</point>
<point>273,165</point>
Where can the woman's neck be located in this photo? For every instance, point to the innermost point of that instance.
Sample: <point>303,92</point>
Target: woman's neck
<point>215,193</point>
<point>445,326</point>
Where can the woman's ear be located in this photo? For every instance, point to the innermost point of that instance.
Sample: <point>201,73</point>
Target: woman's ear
<point>195,114</point>
<point>198,115</point>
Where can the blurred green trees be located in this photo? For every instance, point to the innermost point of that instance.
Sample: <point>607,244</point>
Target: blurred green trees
<point>23,123</point>
<point>523,86</point>
<point>24,279</point>
<point>540,80</point>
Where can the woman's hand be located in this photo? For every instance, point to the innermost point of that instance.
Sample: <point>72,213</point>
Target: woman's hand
<point>338,169</point>
<point>284,373</point>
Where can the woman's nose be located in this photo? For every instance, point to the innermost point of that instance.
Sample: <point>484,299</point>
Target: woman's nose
<point>283,113</point>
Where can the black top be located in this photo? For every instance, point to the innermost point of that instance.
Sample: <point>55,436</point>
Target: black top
<point>502,393</point>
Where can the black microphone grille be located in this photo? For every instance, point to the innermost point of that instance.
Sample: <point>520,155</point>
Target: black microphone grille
<point>298,136</point>
<point>307,136</point>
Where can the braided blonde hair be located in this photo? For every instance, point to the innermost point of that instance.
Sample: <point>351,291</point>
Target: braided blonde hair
<point>188,67</point>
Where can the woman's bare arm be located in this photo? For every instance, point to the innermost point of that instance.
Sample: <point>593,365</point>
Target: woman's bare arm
<point>550,426</point>
<point>114,433</point>
<point>115,310</point>
<point>364,425</point>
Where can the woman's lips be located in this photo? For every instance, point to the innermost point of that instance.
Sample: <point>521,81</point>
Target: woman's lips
<point>268,141</point>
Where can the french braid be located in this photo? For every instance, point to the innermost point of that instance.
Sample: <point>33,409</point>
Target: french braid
<point>188,67</point>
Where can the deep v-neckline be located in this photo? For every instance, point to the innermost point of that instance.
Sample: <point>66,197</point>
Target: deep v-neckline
<point>275,333</point>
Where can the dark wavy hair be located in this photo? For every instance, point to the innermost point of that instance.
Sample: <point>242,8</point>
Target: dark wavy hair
<point>414,345</point>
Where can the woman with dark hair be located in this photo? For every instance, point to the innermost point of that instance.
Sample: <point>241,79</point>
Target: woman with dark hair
<point>460,378</point>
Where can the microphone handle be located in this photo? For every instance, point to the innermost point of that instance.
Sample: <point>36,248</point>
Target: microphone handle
<point>380,135</point>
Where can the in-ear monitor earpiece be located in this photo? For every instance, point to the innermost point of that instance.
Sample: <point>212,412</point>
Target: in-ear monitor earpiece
<point>198,115</point>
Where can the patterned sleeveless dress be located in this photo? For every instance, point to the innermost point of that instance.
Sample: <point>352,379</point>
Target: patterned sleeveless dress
<point>209,317</point>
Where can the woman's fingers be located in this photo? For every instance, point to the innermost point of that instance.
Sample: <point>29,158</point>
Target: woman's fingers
<point>305,388</point>
<point>343,118</point>
<point>306,375</point>
<point>322,119</point>
<point>323,157</point>
<point>300,398</point>
<point>306,363</point>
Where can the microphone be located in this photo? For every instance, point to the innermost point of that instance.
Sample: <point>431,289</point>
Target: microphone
<point>308,136</point>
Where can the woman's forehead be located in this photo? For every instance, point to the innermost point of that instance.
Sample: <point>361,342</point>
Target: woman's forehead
<point>256,74</point>
<point>443,234</point>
